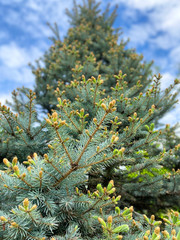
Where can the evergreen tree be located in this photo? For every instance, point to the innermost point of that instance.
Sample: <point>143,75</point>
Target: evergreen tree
<point>49,198</point>
<point>91,47</point>
<point>145,174</point>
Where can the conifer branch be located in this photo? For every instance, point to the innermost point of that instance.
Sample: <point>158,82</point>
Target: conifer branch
<point>94,163</point>
<point>67,115</point>
<point>50,174</point>
<point>95,92</point>
<point>17,187</point>
<point>63,177</point>
<point>91,136</point>
<point>98,152</point>
<point>40,129</point>
<point>92,207</point>
<point>50,162</point>
<point>12,131</point>
<point>64,146</point>
<point>30,112</point>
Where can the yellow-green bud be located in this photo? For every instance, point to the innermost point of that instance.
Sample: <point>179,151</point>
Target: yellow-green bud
<point>110,185</point>
<point>119,237</point>
<point>14,161</point>
<point>157,230</point>
<point>122,228</point>
<point>165,233</point>
<point>14,224</point>
<point>35,156</point>
<point>152,218</point>
<point>33,207</point>
<point>3,219</point>
<point>102,222</point>
<point>48,121</point>
<point>176,214</point>
<point>103,106</point>
<point>26,203</point>
<point>112,190</point>
<point>6,162</point>
<point>40,174</point>
<point>109,220</point>
<point>173,232</point>
<point>16,170</point>
<point>55,116</point>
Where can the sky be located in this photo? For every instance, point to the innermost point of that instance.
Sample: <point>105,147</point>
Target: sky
<point>153,27</point>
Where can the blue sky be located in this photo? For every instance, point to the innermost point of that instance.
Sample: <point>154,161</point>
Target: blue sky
<point>153,27</point>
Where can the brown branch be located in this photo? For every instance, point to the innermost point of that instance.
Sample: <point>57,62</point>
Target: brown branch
<point>92,207</point>
<point>42,126</point>
<point>90,138</point>
<point>13,134</point>
<point>55,168</point>
<point>61,141</point>
<point>23,180</point>
<point>100,151</point>
<point>91,164</point>
<point>63,177</point>
<point>79,131</point>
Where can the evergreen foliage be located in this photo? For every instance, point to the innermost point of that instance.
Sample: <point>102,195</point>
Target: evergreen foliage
<point>22,133</point>
<point>91,46</point>
<point>103,108</point>
<point>48,199</point>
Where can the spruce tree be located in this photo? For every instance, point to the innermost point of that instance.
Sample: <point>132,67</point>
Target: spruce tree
<point>49,198</point>
<point>92,47</point>
<point>82,71</point>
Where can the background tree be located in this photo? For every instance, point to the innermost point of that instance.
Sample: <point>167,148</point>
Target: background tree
<point>91,46</point>
<point>22,133</point>
<point>145,179</point>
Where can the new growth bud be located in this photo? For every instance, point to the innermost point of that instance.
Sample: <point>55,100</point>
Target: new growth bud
<point>3,219</point>
<point>6,162</point>
<point>26,203</point>
<point>14,161</point>
<point>103,106</point>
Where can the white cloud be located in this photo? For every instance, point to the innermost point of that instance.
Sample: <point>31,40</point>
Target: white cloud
<point>14,62</point>
<point>175,56</point>
<point>161,27</point>
<point>4,97</point>
<point>160,30</point>
<point>30,18</point>
<point>22,75</point>
<point>143,5</point>
<point>172,117</point>
<point>35,15</point>
<point>166,80</point>
<point>13,56</point>
<point>138,35</point>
